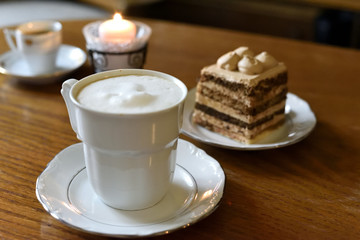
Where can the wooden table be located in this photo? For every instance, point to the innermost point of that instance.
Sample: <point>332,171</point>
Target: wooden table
<point>310,190</point>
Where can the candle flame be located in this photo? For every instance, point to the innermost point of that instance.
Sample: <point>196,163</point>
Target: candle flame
<point>117,17</point>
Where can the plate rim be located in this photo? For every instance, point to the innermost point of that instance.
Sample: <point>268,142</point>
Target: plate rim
<point>189,105</point>
<point>217,196</point>
<point>56,74</point>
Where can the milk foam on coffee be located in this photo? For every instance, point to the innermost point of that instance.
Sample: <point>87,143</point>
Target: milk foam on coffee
<point>130,94</point>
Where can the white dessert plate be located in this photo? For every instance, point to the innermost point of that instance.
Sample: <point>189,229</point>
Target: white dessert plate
<point>299,123</point>
<point>68,60</point>
<point>64,191</point>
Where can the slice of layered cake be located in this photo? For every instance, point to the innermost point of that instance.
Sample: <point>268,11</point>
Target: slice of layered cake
<point>241,95</point>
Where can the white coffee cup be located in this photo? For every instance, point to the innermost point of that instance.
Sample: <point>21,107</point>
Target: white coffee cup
<point>37,43</point>
<point>129,156</point>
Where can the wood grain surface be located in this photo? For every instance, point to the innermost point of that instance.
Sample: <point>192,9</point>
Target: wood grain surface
<point>310,190</point>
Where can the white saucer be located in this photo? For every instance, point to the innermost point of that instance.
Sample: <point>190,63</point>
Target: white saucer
<point>65,193</point>
<point>299,123</point>
<point>68,60</point>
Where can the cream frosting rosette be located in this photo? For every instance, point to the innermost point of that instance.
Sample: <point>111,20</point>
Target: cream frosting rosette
<point>250,65</point>
<point>228,61</point>
<point>244,60</point>
<point>267,60</point>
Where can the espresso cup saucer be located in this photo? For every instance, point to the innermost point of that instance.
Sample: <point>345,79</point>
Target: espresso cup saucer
<point>69,59</point>
<point>64,191</point>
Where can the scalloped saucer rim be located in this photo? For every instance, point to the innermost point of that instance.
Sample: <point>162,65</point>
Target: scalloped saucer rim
<point>196,192</point>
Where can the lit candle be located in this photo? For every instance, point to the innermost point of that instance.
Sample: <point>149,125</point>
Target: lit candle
<point>117,30</point>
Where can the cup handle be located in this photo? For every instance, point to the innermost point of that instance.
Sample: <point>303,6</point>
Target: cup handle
<point>9,35</point>
<point>65,92</point>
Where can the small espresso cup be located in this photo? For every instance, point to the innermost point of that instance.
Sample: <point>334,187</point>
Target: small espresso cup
<point>37,43</point>
<point>129,122</point>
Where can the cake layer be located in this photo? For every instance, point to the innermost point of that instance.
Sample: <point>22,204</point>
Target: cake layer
<point>214,98</point>
<point>254,91</point>
<point>227,118</point>
<point>239,78</point>
<point>232,130</point>
<point>219,92</point>
<point>203,102</point>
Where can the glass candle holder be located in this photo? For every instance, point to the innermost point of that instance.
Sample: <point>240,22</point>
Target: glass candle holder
<point>107,55</point>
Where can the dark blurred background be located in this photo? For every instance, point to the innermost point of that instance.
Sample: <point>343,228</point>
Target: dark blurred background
<point>334,22</point>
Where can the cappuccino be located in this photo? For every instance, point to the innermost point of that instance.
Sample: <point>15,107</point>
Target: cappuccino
<point>130,156</point>
<point>130,94</point>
